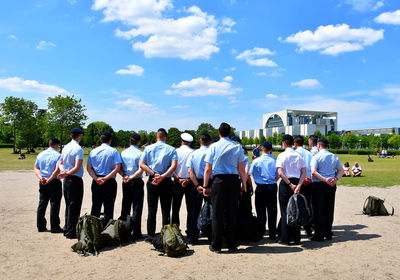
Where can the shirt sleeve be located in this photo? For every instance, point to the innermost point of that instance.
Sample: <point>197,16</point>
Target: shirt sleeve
<point>302,162</point>
<point>279,162</point>
<point>117,157</point>
<point>209,156</point>
<point>174,155</point>
<point>89,161</point>
<point>252,168</point>
<point>143,155</point>
<point>338,164</point>
<point>313,162</point>
<point>242,157</point>
<point>36,162</point>
<point>79,155</point>
<point>189,163</point>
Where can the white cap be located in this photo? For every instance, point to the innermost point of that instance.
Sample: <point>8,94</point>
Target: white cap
<point>187,137</point>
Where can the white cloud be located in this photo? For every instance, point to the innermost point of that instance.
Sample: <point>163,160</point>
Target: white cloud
<point>44,45</point>
<point>233,100</point>
<point>256,57</point>
<point>12,37</point>
<point>307,84</point>
<point>188,37</point>
<point>131,70</point>
<point>389,17</point>
<point>365,5</point>
<point>228,79</point>
<point>334,40</point>
<point>137,104</point>
<point>203,87</point>
<point>17,84</point>
<point>262,74</point>
<point>230,69</point>
<point>180,107</point>
<point>271,96</point>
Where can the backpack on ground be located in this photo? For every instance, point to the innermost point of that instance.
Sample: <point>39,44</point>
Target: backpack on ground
<point>88,231</point>
<point>298,213</point>
<point>174,243</point>
<point>115,233</point>
<point>247,229</point>
<point>374,206</point>
<point>204,222</point>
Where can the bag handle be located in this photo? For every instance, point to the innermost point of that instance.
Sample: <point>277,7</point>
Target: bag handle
<point>364,207</point>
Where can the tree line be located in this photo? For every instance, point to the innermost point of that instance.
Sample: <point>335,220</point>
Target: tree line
<point>27,126</point>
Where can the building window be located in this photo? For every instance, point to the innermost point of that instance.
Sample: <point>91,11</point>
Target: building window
<point>274,121</point>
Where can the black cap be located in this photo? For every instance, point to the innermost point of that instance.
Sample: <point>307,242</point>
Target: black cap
<point>54,141</point>
<point>267,145</point>
<point>324,141</point>
<point>287,137</point>
<point>76,131</point>
<point>135,136</point>
<point>236,139</point>
<point>107,134</point>
<point>162,130</point>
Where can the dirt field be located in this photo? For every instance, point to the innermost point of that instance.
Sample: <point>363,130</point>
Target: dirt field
<point>363,247</point>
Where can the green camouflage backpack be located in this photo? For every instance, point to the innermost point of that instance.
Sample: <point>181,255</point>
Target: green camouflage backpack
<point>174,244</point>
<point>88,232</point>
<point>374,206</point>
<point>115,233</point>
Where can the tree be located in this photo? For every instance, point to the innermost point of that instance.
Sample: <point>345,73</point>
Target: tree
<point>394,141</point>
<point>350,141</point>
<point>94,131</point>
<point>318,134</point>
<point>143,135</point>
<point>335,141</point>
<point>384,140</point>
<point>20,114</point>
<point>64,113</point>
<point>206,128</point>
<point>245,140</point>
<point>250,141</point>
<point>152,137</point>
<point>262,139</point>
<point>174,137</point>
<point>256,141</point>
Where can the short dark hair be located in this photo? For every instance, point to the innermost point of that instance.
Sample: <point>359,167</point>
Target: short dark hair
<point>323,142</point>
<point>314,139</point>
<point>288,139</point>
<point>134,139</point>
<point>224,129</point>
<point>162,132</point>
<point>54,141</point>
<point>105,137</point>
<point>299,140</point>
<point>205,137</point>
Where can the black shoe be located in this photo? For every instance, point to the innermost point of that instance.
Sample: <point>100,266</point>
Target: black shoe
<point>309,232</point>
<point>233,249</point>
<point>214,250</point>
<point>317,238</point>
<point>71,236</point>
<point>138,237</point>
<point>57,230</point>
<point>42,229</point>
<point>149,239</point>
<point>296,243</point>
<point>328,237</point>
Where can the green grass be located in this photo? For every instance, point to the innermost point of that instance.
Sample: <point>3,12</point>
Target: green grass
<point>380,173</point>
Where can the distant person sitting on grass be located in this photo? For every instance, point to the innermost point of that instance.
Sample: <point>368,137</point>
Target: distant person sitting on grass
<point>346,168</point>
<point>21,156</point>
<point>370,159</point>
<point>356,170</point>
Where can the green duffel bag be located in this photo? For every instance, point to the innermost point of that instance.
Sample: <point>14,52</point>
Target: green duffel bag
<point>374,206</point>
<point>88,232</point>
<point>174,243</point>
<point>115,233</point>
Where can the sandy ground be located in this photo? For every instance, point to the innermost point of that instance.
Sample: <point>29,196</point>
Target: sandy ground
<point>363,247</point>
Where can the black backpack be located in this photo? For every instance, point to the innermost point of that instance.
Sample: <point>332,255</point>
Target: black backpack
<point>205,219</point>
<point>374,206</point>
<point>247,230</point>
<point>298,213</point>
<point>115,233</point>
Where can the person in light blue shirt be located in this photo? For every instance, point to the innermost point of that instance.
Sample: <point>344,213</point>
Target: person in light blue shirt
<point>46,170</point>
<point>133,185</point>
<point>265,175</point>
<point>326,170</point>
<point>72,170</point>
<point>312,142</point>
<point>159,160</point>
<point>225,161</point>
<point>103,164</point>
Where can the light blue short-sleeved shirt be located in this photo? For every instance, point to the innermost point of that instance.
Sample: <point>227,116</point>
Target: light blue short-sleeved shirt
<point>46,161</point>
<point>70,154</point>
<point>103,159</point>
<point>263,169</point>
<point>196,161</point>
<point>159,157</point>
<point>326,164</point>
<point>225,156</point>
<point>130,160</point>
<point>314,150</point>
<point>306,155</point>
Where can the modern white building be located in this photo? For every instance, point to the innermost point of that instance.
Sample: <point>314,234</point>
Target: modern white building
<point>294,122</point>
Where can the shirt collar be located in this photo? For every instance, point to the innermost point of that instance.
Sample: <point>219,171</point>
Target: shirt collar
<point>74,141</point>
<point>159,141</point>
<point>52,149</point>
<point>289,149</point>
<point>105,144</point>
<point>203,147</point>
<point>133,146</point>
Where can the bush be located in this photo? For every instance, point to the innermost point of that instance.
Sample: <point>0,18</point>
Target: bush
<point>2,145</point>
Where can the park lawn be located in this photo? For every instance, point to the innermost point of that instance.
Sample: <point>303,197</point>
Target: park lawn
<point>380,173</point>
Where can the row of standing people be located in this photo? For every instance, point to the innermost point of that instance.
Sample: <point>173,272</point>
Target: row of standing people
<point>219,167</point>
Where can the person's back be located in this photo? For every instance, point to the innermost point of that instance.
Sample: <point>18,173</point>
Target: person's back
<point>159,156</point>
<point>103,159</point>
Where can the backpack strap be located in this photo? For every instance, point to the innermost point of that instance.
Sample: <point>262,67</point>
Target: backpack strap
<point>364,207</point>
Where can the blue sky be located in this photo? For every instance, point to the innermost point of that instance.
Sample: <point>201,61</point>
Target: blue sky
<point>145,64</point>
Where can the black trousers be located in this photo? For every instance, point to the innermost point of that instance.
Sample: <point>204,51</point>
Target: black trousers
<point>225,191</point>
<point>104,195</point>
<point>51,192</point>
<point>306,191</point>
<point>162,191</point>
<point>73,195</point>
<point>193,201</point>
<point>323,202</point>
<point>266,201</point>
<point>132,199</point>
<point>288,233</point>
